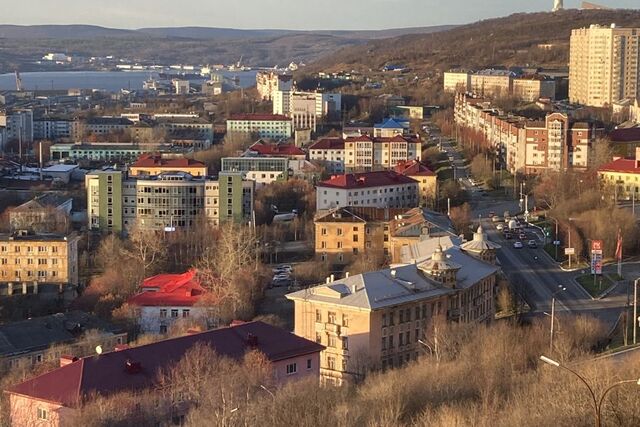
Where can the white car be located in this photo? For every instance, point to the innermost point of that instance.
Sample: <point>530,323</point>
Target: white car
<point>518,245</point>
<point>500,227</point>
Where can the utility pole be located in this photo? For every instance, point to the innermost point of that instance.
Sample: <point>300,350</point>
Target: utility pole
<point>569,229</point>
<point>553,313</point>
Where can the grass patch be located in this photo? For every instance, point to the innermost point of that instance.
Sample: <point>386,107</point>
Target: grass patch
<point>551,250</point>
<point>601,284</point>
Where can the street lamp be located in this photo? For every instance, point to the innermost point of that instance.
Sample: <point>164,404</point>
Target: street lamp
<point>597,403</point>
<point>553,314</point>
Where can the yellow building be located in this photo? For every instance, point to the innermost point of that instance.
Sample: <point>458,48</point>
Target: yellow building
<point>346,233</point>
<point>155,164</point>
<point>364,154</point>
<point>427,181</point>
<point>603,65</point>
<point>47,258</point>
<point>622,176</point>
<point>377,320</point>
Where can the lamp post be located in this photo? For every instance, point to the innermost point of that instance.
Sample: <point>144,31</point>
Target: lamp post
<point>553,314</point>
<point>597,403</point>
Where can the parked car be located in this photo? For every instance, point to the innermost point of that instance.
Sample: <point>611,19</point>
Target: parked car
<point>518,244</point>
<point>281,282</point>
<point>283,268</point>
<point>532,244</point>
<point>522,236</point>
<point>508,236</point>
<point>500,227</point>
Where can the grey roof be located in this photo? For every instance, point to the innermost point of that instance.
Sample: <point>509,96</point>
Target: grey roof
<point>45,200</point>
<point>376,289</point>
<point>472,271</point>
<point>480,242</point>
<point>41,332</point>
<point>423,249</point>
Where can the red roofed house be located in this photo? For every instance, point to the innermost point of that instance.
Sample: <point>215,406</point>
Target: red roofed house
<point>274,126</point>
<point>265,149</point>
<point>52,399</point>
<point>380,189</point>
<point>622,175</point>
<point>329,152</point>
<point>427,180</point>
<point>165,298</point>
<point>154,164</point>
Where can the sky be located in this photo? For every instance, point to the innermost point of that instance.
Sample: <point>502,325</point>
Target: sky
<point>281,14</point>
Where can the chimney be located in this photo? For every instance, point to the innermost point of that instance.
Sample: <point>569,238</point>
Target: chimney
<point>346,275</point>
<point>327,280</point>
<point>354,289</point>
<point>188,293</point>
<point>67,359</point>
<point>120,347</point>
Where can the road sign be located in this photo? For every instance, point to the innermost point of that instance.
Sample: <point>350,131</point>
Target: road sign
<point>596,256</point>
<point>556,242</point>
<point>569,251</point>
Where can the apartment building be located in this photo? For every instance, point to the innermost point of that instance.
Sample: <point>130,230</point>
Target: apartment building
<point>533,87</point>
<point>457,81</point>
<point>377,319</point>
<point>364,153</point>
<point>274,126</point>
<point>287,101</point>
<point>99,126</point>
<point>38,259</point>
<point>194,127</point>
<point>46,213</point>
<point>269,82</point>
<point>604,65</point>
<point>18,125</point>
<point>556,143</point>
<point>390,128</point>
<point>52,128</point>
<point>622,177</point>
<point>426,178</point>
<point>492,83</point>
<point>56,397</point>
<point>382,189</point>
<point>346,233</point>
<point>152,164</point>
<point>302,110</point>
<point>166,202</point>
<point>329,153</point>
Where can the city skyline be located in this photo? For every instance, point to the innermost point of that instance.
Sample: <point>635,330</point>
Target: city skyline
<point>254,14</point>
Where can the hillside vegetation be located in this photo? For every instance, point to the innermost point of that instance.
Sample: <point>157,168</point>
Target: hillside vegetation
<point>507,41</point>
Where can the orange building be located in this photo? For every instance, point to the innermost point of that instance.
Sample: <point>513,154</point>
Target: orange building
<point>155,164</point>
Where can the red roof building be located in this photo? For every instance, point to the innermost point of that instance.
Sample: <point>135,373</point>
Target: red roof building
<point>381,189</point>
<point>182,290</point>
<point>154,164</point>
<point>335,143</point>
<point>413,168</point>
<point>621,176</point>
<point>54,395</point>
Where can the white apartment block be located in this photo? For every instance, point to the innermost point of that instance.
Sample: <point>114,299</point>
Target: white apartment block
<point>329,152</point>
<point>268,82</point>
<point>382,189</point>
<point>603,65</point>
<point>274,126</point>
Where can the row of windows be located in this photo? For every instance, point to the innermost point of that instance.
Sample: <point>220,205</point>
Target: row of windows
<point>30,261</point>
<point>332,318</point>
<point>174,312</point>
<point>5,248</point>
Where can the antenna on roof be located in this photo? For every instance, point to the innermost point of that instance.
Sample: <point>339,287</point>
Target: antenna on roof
<point>98,349</point>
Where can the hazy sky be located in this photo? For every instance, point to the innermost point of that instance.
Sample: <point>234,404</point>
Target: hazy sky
<point>285,14</point>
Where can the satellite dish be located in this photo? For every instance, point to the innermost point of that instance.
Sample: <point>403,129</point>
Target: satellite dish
<point>99,349</point>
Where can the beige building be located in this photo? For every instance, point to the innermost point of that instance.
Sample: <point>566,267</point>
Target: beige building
<point>492,83</point>
<point>532,88</point>
<point>457,81</point>
<point>603,65</point>
<point>38,258</point>
<point>364,153</point>
<point>376,320</point>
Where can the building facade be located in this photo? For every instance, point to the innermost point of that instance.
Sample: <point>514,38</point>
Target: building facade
<point>604,65</point>
<point>265,125</point>
<point>35,259</point>
<point>364,153</point>
<point>167,201</point>
<point>376,320</point>
<point>155,164</point>
<point>329,153</point>
<point>382,189</point>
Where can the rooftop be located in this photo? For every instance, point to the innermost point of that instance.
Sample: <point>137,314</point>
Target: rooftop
<point>45,200</point>
<point>112,121</point>
<point>335,143</point>
<point>366,179</point>
<point>259,117</point>
<point>413,168</point>
<point>40,333</point>
<point>277,150</point>
<point>40,237</point>
<point>389,124</point>
<point>181,290</point>
<point>137,368</point>
<point>621,165</point>
<point>157,161</point>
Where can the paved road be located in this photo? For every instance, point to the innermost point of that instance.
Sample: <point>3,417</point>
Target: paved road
<point>533,274</point>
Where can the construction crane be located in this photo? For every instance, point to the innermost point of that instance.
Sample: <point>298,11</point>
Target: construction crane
<point>18,81</point>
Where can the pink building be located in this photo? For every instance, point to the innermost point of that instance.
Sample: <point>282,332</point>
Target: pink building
<point>51,399</point>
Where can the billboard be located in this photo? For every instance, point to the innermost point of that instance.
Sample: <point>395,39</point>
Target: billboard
<point>596,256</point>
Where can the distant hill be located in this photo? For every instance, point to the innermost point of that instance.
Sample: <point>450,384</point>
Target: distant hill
<point>508,41</point>
<point>199,33</point>
<point>20,46</point>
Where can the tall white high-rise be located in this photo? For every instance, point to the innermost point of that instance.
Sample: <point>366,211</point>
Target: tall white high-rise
<point>558,5</point>
<point>604,65</point>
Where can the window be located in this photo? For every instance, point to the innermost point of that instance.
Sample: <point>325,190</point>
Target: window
<point>163,329</point>
<point>345,320</point>
<point>318,338</point>
<point>355,237</point>
<point>345,343</point>
<point>185,313</point>
<point>292,368</point>
<point>332,317</point>
<point>174,312</point>
<point>163,312</point>
<point>384,343</point>
<point>318,316</point>
<point>308,364</point>
<point>324,232</point>
<point>331,362</point>
<point>339,231</point>
<point>391,342</point>
<point>332,341</point>
<point>43,414</point>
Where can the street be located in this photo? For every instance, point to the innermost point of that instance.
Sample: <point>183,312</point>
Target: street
<point>533,275</point>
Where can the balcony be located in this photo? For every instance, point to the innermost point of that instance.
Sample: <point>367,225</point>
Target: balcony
<point>330,327</point>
